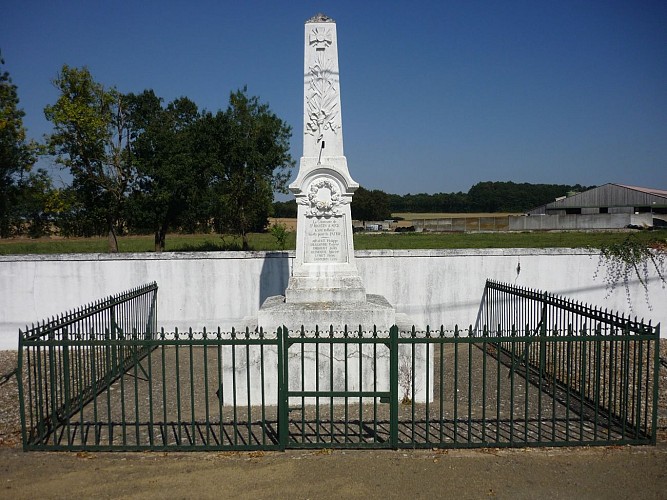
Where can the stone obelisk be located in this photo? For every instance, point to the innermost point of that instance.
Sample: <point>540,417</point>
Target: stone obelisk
<point>324,269</point>
<point>324,288</point>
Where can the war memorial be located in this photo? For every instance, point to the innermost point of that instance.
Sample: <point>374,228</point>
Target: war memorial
<point>325,364</point>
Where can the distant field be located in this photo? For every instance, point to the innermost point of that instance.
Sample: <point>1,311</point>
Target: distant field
<point>445,215</point>
<point>408,216</point>
<point>362,241</point>
<point>289,223</point>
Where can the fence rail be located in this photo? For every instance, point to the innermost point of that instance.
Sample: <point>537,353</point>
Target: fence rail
<point>572,383</point>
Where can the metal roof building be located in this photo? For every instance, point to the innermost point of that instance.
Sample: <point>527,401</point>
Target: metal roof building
<point>647,205</point>
<point>610,198</point>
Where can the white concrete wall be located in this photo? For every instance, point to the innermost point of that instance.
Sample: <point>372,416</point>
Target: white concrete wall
<point>215,289</point>
<point>582,221</point>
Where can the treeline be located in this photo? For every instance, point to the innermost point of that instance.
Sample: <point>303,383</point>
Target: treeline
<point>482,197</point>
<point>366,205</point>
<point>140,165</point>
<point>485,197</point>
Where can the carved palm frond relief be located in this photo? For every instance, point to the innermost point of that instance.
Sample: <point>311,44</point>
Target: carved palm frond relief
<point>322,98</point>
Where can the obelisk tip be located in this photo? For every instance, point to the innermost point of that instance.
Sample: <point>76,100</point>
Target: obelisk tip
<point>320,18</point>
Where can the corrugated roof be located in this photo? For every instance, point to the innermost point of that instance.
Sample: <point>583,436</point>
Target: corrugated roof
<point>609,195</point>
<point>656,192</point>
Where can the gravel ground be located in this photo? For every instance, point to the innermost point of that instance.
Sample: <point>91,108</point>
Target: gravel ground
<point>10,421</point>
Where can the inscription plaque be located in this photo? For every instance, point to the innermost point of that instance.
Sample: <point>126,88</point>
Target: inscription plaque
<point>325,240</point>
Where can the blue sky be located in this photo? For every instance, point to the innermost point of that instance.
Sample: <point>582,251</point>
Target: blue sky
<point>436,96</point>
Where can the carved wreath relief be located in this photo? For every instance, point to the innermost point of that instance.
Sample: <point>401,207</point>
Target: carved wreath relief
<point>322,97</point>
<point>324,199</point>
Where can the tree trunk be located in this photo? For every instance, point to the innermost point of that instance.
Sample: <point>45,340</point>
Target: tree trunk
<point>244,233</point>
<point>160,237</point>
<point>113,240</point>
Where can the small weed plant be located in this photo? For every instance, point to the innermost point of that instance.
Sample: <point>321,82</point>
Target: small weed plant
<point>279,232</point>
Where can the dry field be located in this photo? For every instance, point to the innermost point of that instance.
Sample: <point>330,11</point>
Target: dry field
<point>407,217</point>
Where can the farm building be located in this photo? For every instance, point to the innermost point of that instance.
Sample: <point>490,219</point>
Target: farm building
<point>611,206</point>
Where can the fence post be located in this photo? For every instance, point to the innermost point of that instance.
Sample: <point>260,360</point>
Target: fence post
<point>283,400</point>
<point>114,346</point>
<point>52,386</point>
<point>66,375</point>
<point>393,386</point>
<point>543,339</point>
<point>656,381</point>
<point>19,383</point>
<point>151,326</point>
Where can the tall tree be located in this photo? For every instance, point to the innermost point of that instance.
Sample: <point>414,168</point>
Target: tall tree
<point>164,150</point>
<point>91,139</point>
<point>287,209</point>
<point>16,154</point>
<point>251,160</point>
<point>370,205</point>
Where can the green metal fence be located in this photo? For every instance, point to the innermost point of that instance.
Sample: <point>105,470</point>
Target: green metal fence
<point>599,363</point>
<point>68,361</point>
<point>476,387</point>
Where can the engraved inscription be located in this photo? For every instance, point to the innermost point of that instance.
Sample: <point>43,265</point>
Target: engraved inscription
<point>325,240</point>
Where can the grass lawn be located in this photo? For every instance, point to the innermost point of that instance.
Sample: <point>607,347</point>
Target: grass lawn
<point>362,241</point>
<point>129,244</point>
<point>493,240</point>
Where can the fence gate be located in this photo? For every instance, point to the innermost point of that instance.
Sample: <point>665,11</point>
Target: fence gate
<point>338,389</point>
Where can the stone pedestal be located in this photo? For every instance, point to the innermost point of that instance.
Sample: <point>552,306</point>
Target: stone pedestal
<point>373,312</point>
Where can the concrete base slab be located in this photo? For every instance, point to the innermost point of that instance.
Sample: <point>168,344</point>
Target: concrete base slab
<point>318,289</point>
<point>375,311</point>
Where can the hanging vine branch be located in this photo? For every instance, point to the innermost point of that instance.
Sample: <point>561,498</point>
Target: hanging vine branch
<point>629,259</point>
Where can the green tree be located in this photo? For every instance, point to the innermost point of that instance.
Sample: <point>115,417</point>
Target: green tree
<point>512,197</point>
<point>91,139</point>
<point>37,204</point>
<point>165,156</point>
<point>422,202</point>
<point>248,160</point>
<point>16,154</point>
<point>69,214</point>
<point>370,205</point>
<point>279,231</point>
<point>286,209</point>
